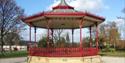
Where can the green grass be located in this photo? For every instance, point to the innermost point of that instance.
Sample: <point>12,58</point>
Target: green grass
<point>114,54</point>
<point>13,54</point>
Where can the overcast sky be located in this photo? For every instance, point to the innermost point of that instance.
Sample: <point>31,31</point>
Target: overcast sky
<point>109,9</point>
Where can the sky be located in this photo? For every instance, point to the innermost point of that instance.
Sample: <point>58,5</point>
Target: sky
<point>110,9</point>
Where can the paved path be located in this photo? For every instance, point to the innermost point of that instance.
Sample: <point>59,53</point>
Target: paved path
<point>104,59</point>
<point>14,60</point>
<point>107,59</point>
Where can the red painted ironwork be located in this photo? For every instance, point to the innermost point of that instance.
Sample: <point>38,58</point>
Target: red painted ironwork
<point>80,36</point>
<point>63,52</point>
<point>96,35</point>
<point>95,16</point>
<point>48,33</point>
<point>48,37</point>
<point>35,36</point>
<point>80,25</point>
<point>27,19</point>
<point>29,44</point>
<point>90,36</point>
<point>51,33</point>
<point>72,36</point>
<point>30,35</point>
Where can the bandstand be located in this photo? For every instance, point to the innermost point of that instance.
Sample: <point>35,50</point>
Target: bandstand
<point>63,16</point>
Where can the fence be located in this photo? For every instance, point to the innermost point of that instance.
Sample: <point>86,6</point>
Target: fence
<point>63,52</point>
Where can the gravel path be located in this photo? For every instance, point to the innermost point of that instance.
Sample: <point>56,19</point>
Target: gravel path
<point>14,60</point>
<point>113,59</point>
<point>104,59</point>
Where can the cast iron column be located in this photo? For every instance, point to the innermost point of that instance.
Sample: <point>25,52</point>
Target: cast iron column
<point>30,36</point>
<point>97,44</point>
<point>72,36</point>
<point>48,33</point>
<point>80,25</point>
<point>35,36</point>
<point>90,31</point>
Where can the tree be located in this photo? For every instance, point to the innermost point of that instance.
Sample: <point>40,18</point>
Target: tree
<point>103,34</point>
<point>93,30</point>
<point>123,20</point>
<point>85,42</point>
<point>93,34</point>
<point>123,23</point>
<point>61,43</point>
<point>57,34</point>
<point>9,18</point>
<point>114,35</point>
<point>109,34</point>
<point>42,42</point>
<point>67,38</point>
<point>12,39</point>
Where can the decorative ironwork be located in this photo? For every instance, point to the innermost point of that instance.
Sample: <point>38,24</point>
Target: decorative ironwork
<point>63,52</point>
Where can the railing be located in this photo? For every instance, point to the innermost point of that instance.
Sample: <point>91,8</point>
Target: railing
<point>63,52</point>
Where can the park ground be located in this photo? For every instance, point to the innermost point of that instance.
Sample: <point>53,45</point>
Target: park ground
<point>20,57</point>
<point>105,59</point>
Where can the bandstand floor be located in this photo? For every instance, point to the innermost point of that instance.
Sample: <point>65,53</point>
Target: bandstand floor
<point>88,59</point>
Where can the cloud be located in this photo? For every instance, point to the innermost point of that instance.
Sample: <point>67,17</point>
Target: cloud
<point>84,5</point>
<point>53,4</point>
<point>121,27</point>
<point>119,21</point>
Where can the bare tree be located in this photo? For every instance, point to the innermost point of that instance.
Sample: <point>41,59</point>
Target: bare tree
<point>109,34</point>
<point>67,37</point>
<point>103,34</point>
<point>12,38</point>
<point>57,37</point>
<point>9,18</point>
<point>57,34</point>
<point>114,35</point>
<point>124,21</point>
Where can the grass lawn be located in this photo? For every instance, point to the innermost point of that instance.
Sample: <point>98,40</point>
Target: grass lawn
<point>115,54</point>
<point>13,54</point>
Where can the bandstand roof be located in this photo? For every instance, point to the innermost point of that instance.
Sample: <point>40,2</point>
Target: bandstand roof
<point>62,16</point>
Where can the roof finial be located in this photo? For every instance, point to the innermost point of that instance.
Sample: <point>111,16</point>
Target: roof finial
<point>63,2</point>
<point>63,5</point>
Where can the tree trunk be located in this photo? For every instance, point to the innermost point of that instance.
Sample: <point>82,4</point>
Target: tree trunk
<point>114,45</point>
<point>10,48</point>
<point>2,43</point>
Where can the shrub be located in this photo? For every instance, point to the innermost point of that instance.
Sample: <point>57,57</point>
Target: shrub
<point>109,50</point>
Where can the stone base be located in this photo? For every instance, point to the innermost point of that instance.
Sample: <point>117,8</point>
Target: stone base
<point>88,59</point>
